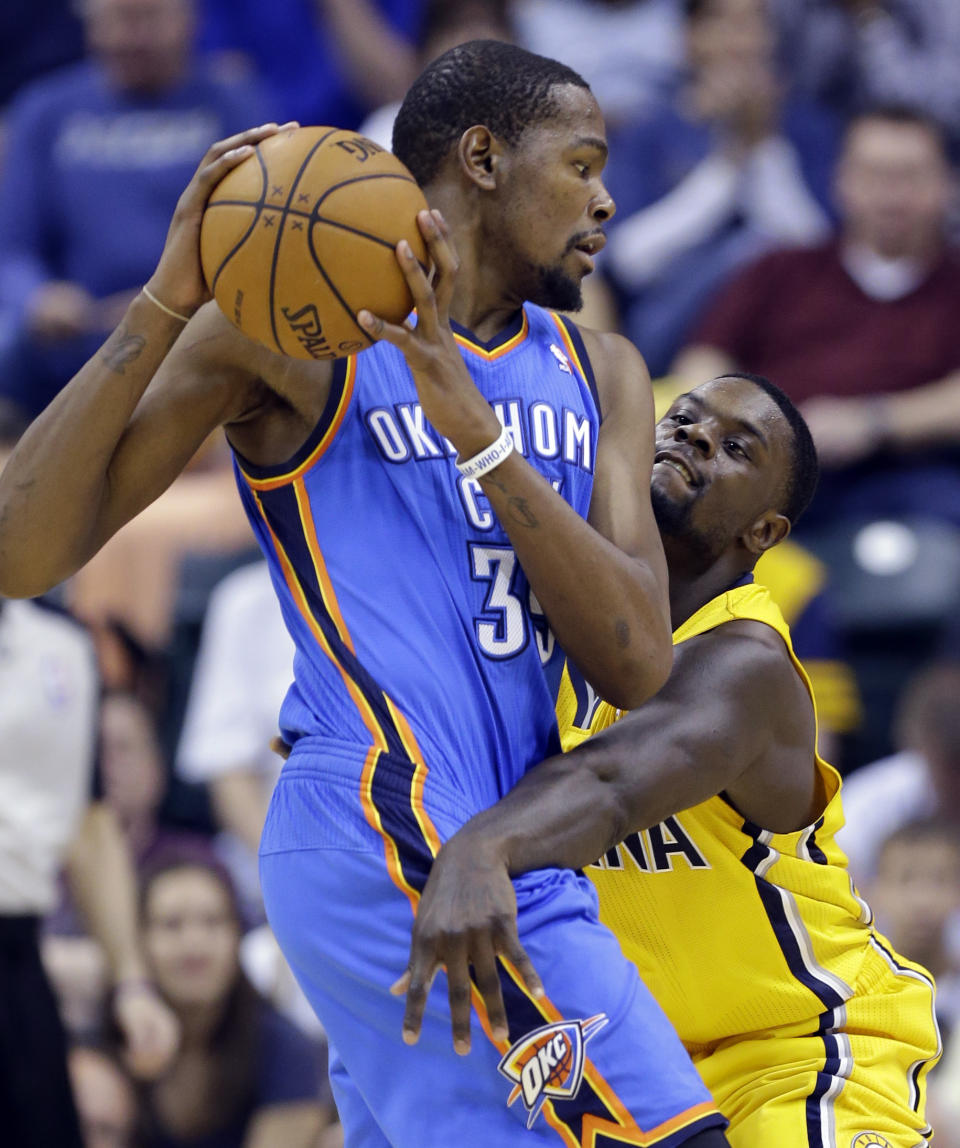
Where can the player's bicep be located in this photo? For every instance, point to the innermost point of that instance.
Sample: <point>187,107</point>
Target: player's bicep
<point>202,383</point>
<point>703,731</point>
<point>620,504</point>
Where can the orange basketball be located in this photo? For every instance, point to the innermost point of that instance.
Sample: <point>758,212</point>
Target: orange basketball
<point>302,234</point>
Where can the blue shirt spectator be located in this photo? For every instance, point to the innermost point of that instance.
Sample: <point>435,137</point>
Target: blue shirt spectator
<point>300,55</point>
<point>725,167</point>
<point>97,155</point>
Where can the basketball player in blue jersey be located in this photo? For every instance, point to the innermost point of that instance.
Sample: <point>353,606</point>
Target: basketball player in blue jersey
<point>713,818</point>
<point>424,510</point>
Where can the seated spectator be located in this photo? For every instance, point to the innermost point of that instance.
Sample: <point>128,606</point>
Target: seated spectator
<point>106,1099</point>
<point>243,670</point>
<point>725,167</point>
<point>133,779</point>
<point>51,815</point>
<point>321,61</point>
<point>915,894</point>
<point>445,24</point>
<point>861,52</point>
<point>862,331</point>
<point>96,158</point>
<point>921,780</point>
<point>243,1074</point>
<point>629,51</point>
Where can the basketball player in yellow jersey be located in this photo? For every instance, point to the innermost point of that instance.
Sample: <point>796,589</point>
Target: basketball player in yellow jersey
<point>714,819</point>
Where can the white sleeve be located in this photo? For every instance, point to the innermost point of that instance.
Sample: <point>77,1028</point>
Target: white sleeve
<point>776,198</point>
<point>643,245</point>
<point>242,671</point>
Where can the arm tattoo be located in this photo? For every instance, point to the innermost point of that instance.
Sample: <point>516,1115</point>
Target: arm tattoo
<point>521,513</point>
<point>520,510</point>
<point>122,348</point>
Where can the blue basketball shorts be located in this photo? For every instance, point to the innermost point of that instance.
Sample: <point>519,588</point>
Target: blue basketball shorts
<point>346,849</point>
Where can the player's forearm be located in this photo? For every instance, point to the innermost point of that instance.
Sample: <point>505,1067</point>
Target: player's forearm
<point>56,483</point>
<point>607,609</point>
<point>103,882</point>
<point>560,815</point>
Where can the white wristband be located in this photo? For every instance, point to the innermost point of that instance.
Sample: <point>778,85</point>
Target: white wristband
<point>486,460</point>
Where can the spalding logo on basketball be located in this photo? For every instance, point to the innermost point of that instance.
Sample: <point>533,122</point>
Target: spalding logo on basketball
<point>547,1064</point>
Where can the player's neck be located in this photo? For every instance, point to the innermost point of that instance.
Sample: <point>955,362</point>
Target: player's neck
<point>691,589</point>
<point>483,301</point>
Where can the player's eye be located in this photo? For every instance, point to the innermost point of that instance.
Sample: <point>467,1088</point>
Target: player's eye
<point>582,168</point>
<point>681,419</point>
<point>735,448</point>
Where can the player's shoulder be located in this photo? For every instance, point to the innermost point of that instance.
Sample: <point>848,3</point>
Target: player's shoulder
<point>738,654</point>
<point>621,374</point>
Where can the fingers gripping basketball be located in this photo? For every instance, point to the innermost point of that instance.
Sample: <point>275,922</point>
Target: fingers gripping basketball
<point>302,235</point>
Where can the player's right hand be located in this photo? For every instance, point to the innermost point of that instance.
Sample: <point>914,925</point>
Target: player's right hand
<point>178,280</point>
<point>467,917</point>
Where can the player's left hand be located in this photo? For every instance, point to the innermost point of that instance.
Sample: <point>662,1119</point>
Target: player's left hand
<point>467,918</point>
<point>178,279</point>
<point>451,402</point>
<point>150,1030</point>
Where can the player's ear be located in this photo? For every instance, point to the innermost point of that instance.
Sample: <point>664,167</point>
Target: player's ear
<point>479,156</point>
<point>766,531</point>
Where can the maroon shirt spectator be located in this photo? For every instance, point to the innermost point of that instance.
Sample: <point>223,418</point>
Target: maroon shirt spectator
<point>798,317</point>
<point>862,332</point>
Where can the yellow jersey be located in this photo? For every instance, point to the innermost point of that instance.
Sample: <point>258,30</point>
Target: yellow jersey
<point>743,934</point>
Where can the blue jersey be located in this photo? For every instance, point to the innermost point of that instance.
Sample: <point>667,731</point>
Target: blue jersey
<point>415,628</point>
<point>423,691</point>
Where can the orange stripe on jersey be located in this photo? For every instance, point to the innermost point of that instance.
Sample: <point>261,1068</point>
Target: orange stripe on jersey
<point>504,349</point>
<point>297,593</point>
<point>594,1127</point>
<point>427,828</point>
<point>328,437</point>
<point>568,344</point>
<point>327,592</point>
<point>392,853</point>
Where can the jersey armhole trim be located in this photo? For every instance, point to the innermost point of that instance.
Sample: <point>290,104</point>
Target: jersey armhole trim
<point>576,349</point>
<point>320,438</point>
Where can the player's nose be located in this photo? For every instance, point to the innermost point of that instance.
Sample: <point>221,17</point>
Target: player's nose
<point>602,206</point>
<point>699,436</point>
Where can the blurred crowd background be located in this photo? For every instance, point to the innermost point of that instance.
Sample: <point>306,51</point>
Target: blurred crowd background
<point>785,175</point>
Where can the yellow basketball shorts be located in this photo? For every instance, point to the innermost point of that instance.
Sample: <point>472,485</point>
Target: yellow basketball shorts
<point>859,1081</point>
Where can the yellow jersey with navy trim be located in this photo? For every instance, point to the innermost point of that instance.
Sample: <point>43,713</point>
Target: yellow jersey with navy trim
<point>743,934</point>
<point>415,629</point>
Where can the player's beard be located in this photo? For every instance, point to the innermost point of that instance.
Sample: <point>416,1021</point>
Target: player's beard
<point>557,290</point>
<point>700,549</point>
<point>550,286</point>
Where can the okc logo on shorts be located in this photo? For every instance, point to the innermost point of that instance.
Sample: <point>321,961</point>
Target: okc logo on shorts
<point>547,1064</point>
<point>870,1140</point>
